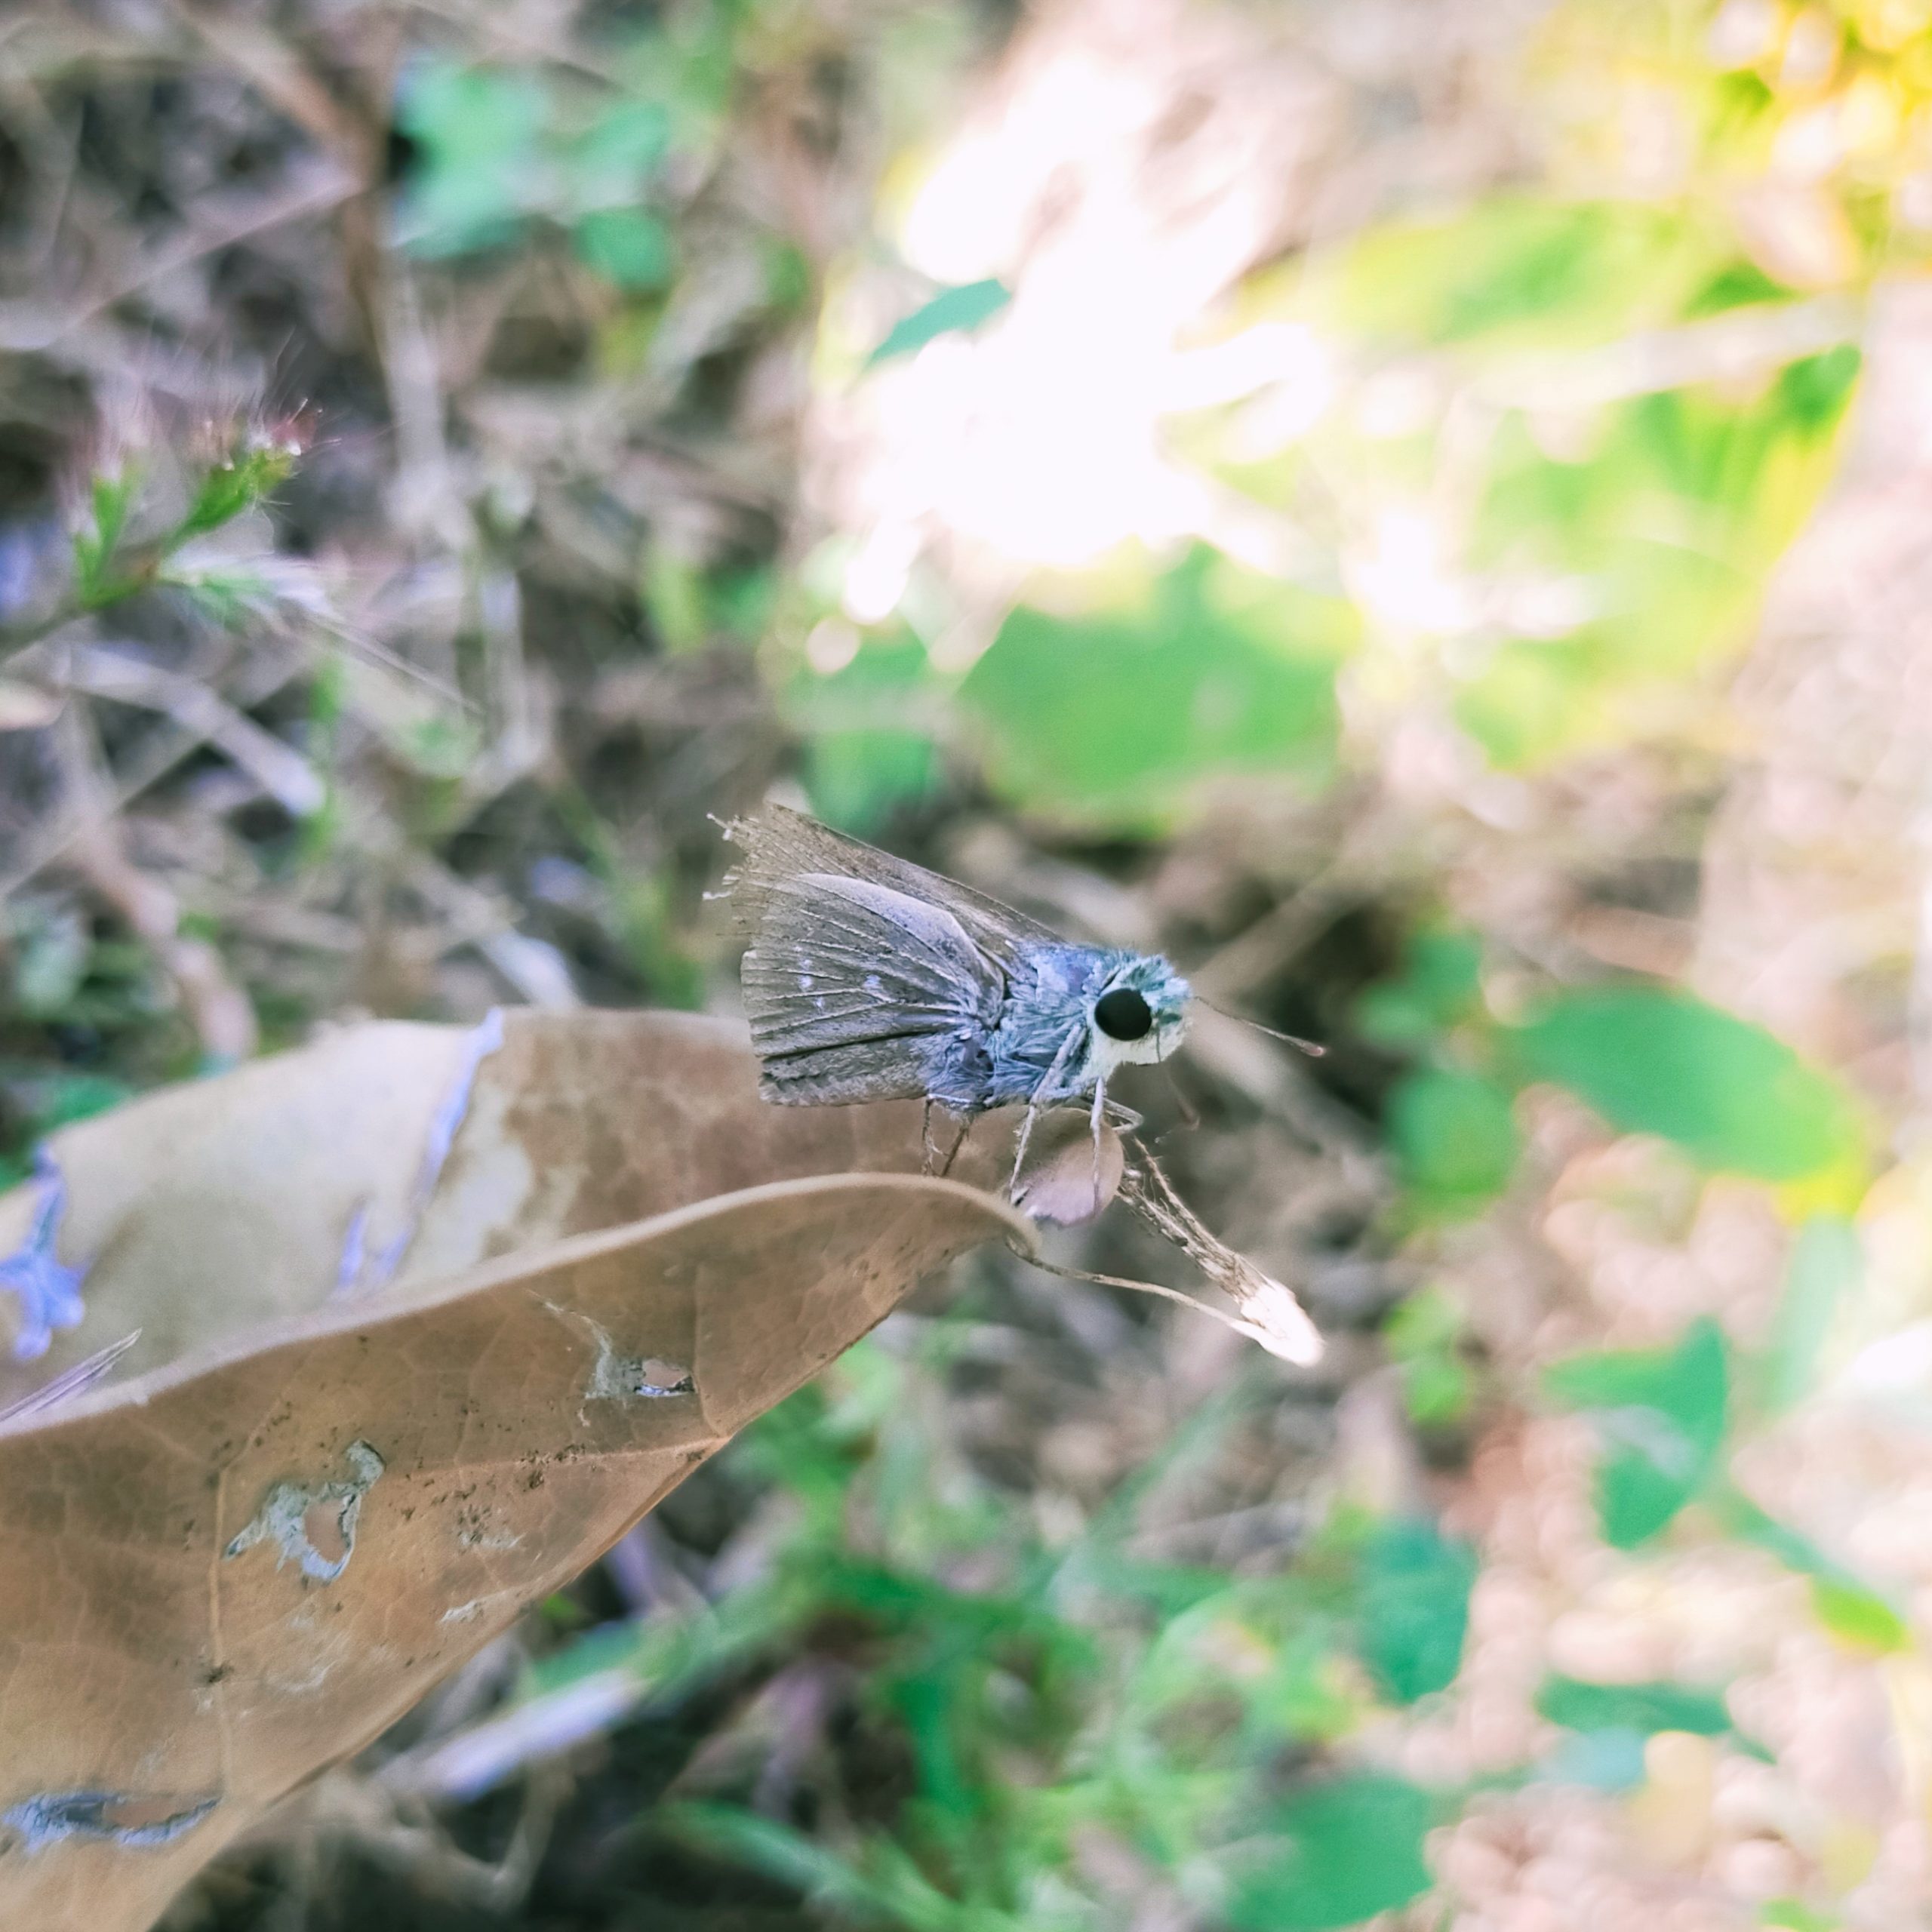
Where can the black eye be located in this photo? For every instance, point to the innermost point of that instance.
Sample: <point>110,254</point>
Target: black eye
<point>1123,1014</point>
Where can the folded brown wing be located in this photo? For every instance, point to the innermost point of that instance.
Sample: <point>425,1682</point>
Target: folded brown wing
<point>779,844</point>
<point>855,992</point>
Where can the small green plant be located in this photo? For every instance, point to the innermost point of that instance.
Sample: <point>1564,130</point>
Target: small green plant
<point>1148,1700</point>
<point>145,520</point>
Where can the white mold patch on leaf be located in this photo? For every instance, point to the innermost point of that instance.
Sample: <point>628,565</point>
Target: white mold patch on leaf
<point>621,1378</point>
<point>134,1820</point>
<point>313,1679</point>
<point>314,1523</point>
<point>468,1613</point>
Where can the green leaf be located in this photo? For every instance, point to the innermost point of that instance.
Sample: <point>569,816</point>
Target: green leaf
<point>228,597</point>
<point>589,1653</point>
<point>1651,1060</point>
<point>1847,1607</point>
<point>1346,1850</point>
<point>51,1097</point>
<point>1825,1266</point>
<point>1815,391</point>
<point>1662,1413</point>
<point>673,590</point>
<point>1112,715</point>
<point>1454,1141</point>
<point>1441,982</point>
<point>1794,1916</point>
<point>1426,1321</point>
<point>1424,1336</point>
<point>1671,524</point>
<point>778,1851</point>
<point>788,276</point>
<point>620,151</point>
<point>224,494</point>
<point>1544,273</point>
<point>1859,1617</point>
<point>1736,285</point>
<point>474,115</point>
<point>957,311</point>
<point>1645,1708</point>
<point>480,168</point>
<point>110,497</point>
<point>1613,1717</point>
<point>1415,1587</point>
<point>626,246</point>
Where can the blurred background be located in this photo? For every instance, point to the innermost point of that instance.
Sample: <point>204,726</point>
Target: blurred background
<point>1421,508</point>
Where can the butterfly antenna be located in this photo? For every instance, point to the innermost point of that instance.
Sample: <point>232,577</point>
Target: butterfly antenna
<point>1314,1050</point>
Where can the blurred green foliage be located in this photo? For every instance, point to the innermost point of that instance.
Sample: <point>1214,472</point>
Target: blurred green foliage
<point>870,732</point>
<point>1859,1616</point>
<point>1453,1138</point>
<point>110,497</point>
<point>1651,1060</point>
<point>1613,1722</point>
<point>1647,1059</point>
<point>496,150</point>
<point>1643,1708</point>
<point>1621,520</point>
<point>959,310</point>
<point>1662,1413</point>
<point>1440,984</point>
<point>1424,1334</point>
<point>1672,521</point>
<point>1794,1916</point>
<point>1149,1700</point>
<point>1415,1585</point>
<point>1514,273</point>
<point>1826,1264</point>
<point>1112,715</point>
<point>1333,1856</point>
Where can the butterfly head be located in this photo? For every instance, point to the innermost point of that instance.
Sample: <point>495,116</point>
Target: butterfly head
<point>1138,1010</point>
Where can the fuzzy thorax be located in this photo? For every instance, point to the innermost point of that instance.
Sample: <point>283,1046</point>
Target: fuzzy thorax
<point>1073,1013</point>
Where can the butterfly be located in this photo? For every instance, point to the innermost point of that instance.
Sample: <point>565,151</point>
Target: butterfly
<point>868,978</point>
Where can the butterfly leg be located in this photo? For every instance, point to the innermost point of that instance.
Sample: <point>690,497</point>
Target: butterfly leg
<point>1035,1099</point>
<point>928,1152</point>
<point>1100,1108</point>
<point>1020,1152</point>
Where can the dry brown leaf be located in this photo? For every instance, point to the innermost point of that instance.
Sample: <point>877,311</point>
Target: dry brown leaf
<point>240,1566</point>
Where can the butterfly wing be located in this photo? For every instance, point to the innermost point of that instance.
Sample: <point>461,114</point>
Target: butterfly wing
<point>856,991</point>
<point>780,844</point>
